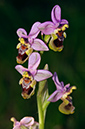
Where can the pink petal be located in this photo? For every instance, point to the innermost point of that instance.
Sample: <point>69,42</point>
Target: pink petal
<point>64,21</point>
<point>22,32</point>
<point>56,14</point>
<point>27,121</point>
<point>56,81</point>
<point>67,86</point>
<point>55,96</point>
<point>42,75</point>
<point>34,61</point>
<point>39,45</point>
<point>46,27</point>
<point>34,30</point>
<point>20,69</point>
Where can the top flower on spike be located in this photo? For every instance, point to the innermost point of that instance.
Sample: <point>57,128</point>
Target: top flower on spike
<point>55,29</point>
<point>28,43</point>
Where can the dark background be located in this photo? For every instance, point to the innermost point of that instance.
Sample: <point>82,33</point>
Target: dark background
<point>69,64</point>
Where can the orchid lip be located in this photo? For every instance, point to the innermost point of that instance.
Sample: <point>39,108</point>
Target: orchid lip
<point>27,90</point>
<point>21,57</point>
<point>27,87</point>
<point>58,43</point>
<point>67,107</point>
<point>26,83</point>
<point>22,54</point>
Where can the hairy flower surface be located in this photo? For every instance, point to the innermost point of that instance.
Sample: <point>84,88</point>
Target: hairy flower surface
<point>25,123</point>
<point>62,93</point>
<point>66,106</point>
<point>55,29</point>
<point>28,43</point>
<point>31,75</point>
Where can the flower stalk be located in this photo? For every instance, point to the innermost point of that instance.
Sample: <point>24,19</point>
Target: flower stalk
<point>40,112</point>
<point>42,102</point>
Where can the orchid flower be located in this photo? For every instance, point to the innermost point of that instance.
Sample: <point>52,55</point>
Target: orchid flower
<point>31,75</point>
<point>25,123</point>
<point>62,93</point>
<point>28,43</point>
<point>55,29</point>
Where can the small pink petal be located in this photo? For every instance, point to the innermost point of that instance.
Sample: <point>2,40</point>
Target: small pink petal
<point>55,96</point>
<point>20,69</point>
<point>39,45</point>
<point>34,30</point>
<point>67,85</point>
<point>56,14</point>
<point>64,21</point>
<point>42,75</point>
<point>27,121</point>
<point>46,27</point>
<point>56,81</point>
<point>22,32</point>
<point>34,61</point>
<point>55,78</point>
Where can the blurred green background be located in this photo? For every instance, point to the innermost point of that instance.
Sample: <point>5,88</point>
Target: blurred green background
<point>69,64</point>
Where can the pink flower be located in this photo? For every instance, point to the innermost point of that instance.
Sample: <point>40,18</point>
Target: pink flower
<point>48,27</point>
<point>62,92</point>
<point>55,29</point>
<point>31,75</point>
<point>25,123</point>
<point>28,43</point>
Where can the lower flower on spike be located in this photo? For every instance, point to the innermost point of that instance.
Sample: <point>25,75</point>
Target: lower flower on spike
<point>62,92</point>
<point>25,123</point>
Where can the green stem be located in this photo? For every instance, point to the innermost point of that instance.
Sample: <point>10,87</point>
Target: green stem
<point>45,105</point>
<point>42,95</point>
<point>40,112</point>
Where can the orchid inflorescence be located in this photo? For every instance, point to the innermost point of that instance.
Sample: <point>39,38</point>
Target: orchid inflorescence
<point>30,48</point>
